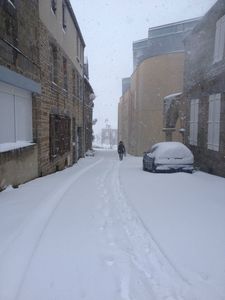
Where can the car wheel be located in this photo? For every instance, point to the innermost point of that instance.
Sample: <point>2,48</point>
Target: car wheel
<point>143,167</point>
<point>153,167</point>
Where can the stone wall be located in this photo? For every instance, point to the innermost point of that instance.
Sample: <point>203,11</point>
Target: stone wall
<point>202,78</point>
<point>19,42</point>
<point>56,100</point>
<point>19,53</point>
<point>18,166</point>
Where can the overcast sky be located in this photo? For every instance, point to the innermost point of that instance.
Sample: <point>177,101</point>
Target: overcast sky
<point>109,29</point>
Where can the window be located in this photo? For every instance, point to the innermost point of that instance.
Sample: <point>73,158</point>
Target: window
<point>65,85</point>
<point>64,15</point>
<point>81,89</point>
<point>194,122</point>
<point>53,6</point>
<point>81,53</point>
<point>59,135</point>
<point>214,122</point>
<point>12,2</point>
<point>74,82</point>
<point>219,39</point>
<point>77,85</point>
<point>78,48</point>
<point>15,114</point>
<point>53,63</point>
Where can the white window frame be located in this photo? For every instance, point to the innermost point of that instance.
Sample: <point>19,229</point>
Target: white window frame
<point>214,122</point>
<point>219,40</point>
<point>194,108</point>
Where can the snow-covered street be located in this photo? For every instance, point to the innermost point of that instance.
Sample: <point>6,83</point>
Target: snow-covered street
<point>105,229</point>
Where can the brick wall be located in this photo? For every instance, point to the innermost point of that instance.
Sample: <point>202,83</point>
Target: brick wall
<point>55,99</point>
<point>18,41</point>
<point>202,78</point>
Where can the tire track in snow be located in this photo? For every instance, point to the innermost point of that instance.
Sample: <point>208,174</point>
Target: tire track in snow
<point>116,258</point>
<point>143,250</point>
<point>15,260</point>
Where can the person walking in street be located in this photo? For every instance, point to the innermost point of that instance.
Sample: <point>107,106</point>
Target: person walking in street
<point>121,150</point>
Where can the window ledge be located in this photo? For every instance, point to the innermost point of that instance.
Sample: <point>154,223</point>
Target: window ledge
<point>5,147</point>
<point>53,11</point>
<point>10,2</point>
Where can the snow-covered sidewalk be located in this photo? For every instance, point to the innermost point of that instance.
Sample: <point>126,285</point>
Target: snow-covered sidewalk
<point>104,229</point>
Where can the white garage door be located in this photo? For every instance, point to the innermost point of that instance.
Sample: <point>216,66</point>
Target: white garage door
<point>15,114</point>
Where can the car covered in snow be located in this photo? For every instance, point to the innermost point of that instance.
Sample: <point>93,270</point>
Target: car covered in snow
<point>168,157</point>
<point>90,152</point>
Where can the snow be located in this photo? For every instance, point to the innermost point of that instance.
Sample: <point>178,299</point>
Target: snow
<point>171,153</point>
<point>170,99</point>
<point>104,229</point>
<point>172,96</point>
<point>12,146</point>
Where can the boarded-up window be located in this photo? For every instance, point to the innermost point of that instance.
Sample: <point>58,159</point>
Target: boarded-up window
<point>59,135</point>
<point>214,122</point>
<point>194,121</point>
<point>219,39</point>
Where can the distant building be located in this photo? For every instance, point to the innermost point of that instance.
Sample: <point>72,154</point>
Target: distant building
<point>161,40</point>
<point>204,91</point>
<point>109,136</point>
<point>158,72</point>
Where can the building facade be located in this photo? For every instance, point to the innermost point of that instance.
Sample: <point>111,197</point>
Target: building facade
<point>43,90</point>
<point>158,72</point>
<point>109,136</point>
<point>204,91</point>
<point>124,114</point>
<point>60,111</point>
<point>89,97</point>
<point>19,91</point>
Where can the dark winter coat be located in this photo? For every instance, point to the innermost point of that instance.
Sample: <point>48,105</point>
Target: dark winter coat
<point>121,148</point>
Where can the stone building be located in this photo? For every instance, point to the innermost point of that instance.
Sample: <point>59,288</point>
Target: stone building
<point>158,72</point>
<point>89,97</point>
<point>109,136</point>
<point>42,89</point>
<point>124,114</point>
<point>60,110</point>
<point>204,91</point>
<point>19,91</point>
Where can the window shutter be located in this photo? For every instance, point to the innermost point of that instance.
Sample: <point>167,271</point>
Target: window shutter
<point>217,42</point>
<point>7,104</point>
<point>23,118</point>
<point>219,39</point>
<point>194,122</point>
<point>216,133</point>
<point>214,122</point>
<point>191,122</point>
<point>210,122</point>
<point>222,38</point>
<point>196,105</point>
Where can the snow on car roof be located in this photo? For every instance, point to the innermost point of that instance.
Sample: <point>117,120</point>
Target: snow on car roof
<point>171,149</point>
